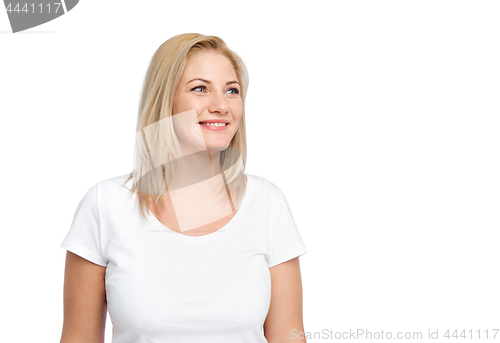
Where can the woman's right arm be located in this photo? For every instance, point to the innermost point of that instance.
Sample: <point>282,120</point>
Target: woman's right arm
<point>84,300</point>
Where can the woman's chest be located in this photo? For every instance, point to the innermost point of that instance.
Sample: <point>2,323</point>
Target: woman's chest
<point>164,283</point>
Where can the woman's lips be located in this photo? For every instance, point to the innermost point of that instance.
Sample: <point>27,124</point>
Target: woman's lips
<point>213,128</point>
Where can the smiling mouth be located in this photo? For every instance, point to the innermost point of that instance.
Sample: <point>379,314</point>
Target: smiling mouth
<point>214,124</point>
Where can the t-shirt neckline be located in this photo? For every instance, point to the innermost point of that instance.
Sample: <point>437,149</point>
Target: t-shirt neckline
<point>229,225</point>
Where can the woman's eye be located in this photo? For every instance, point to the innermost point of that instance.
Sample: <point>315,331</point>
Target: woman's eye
<point>198,87</point>
<point>236,91</point>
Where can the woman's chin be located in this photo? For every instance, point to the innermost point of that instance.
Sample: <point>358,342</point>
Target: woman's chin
<point>216,148</point>
<point>216,145</point>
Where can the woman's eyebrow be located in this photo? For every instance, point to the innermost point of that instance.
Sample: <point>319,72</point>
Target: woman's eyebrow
<point>207,81</point>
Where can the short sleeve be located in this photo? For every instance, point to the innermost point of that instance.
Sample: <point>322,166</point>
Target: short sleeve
<point>285,242</point>
<point>83,238</point>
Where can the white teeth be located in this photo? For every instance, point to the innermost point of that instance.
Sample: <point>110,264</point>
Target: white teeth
<point>214,124</point>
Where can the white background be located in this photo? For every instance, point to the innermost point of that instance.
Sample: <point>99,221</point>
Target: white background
<point>379,120</point>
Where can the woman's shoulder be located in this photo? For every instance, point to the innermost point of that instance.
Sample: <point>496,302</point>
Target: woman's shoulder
<point>265,186</point>
<point>114,181</point>
<point>114,186</point>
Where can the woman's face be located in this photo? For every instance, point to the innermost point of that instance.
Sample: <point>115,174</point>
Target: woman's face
<point>208,86</point>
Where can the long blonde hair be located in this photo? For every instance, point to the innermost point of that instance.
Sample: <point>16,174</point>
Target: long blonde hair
<point>156,141</point>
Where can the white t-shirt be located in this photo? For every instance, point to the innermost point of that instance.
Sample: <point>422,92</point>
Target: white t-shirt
<point>164,286</point>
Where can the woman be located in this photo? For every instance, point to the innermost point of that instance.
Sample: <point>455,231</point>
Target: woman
<point>211,253</point>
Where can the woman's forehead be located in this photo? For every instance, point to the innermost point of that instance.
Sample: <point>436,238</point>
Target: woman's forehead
<point>208,65</point>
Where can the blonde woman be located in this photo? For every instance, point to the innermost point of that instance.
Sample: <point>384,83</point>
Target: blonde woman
<point>187,247</point>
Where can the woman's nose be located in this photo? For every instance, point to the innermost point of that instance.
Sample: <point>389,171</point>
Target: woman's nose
<point>218,103</point>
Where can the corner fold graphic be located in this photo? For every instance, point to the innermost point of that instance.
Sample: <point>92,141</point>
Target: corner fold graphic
<point>70,4</point>
<point>28,14</point>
